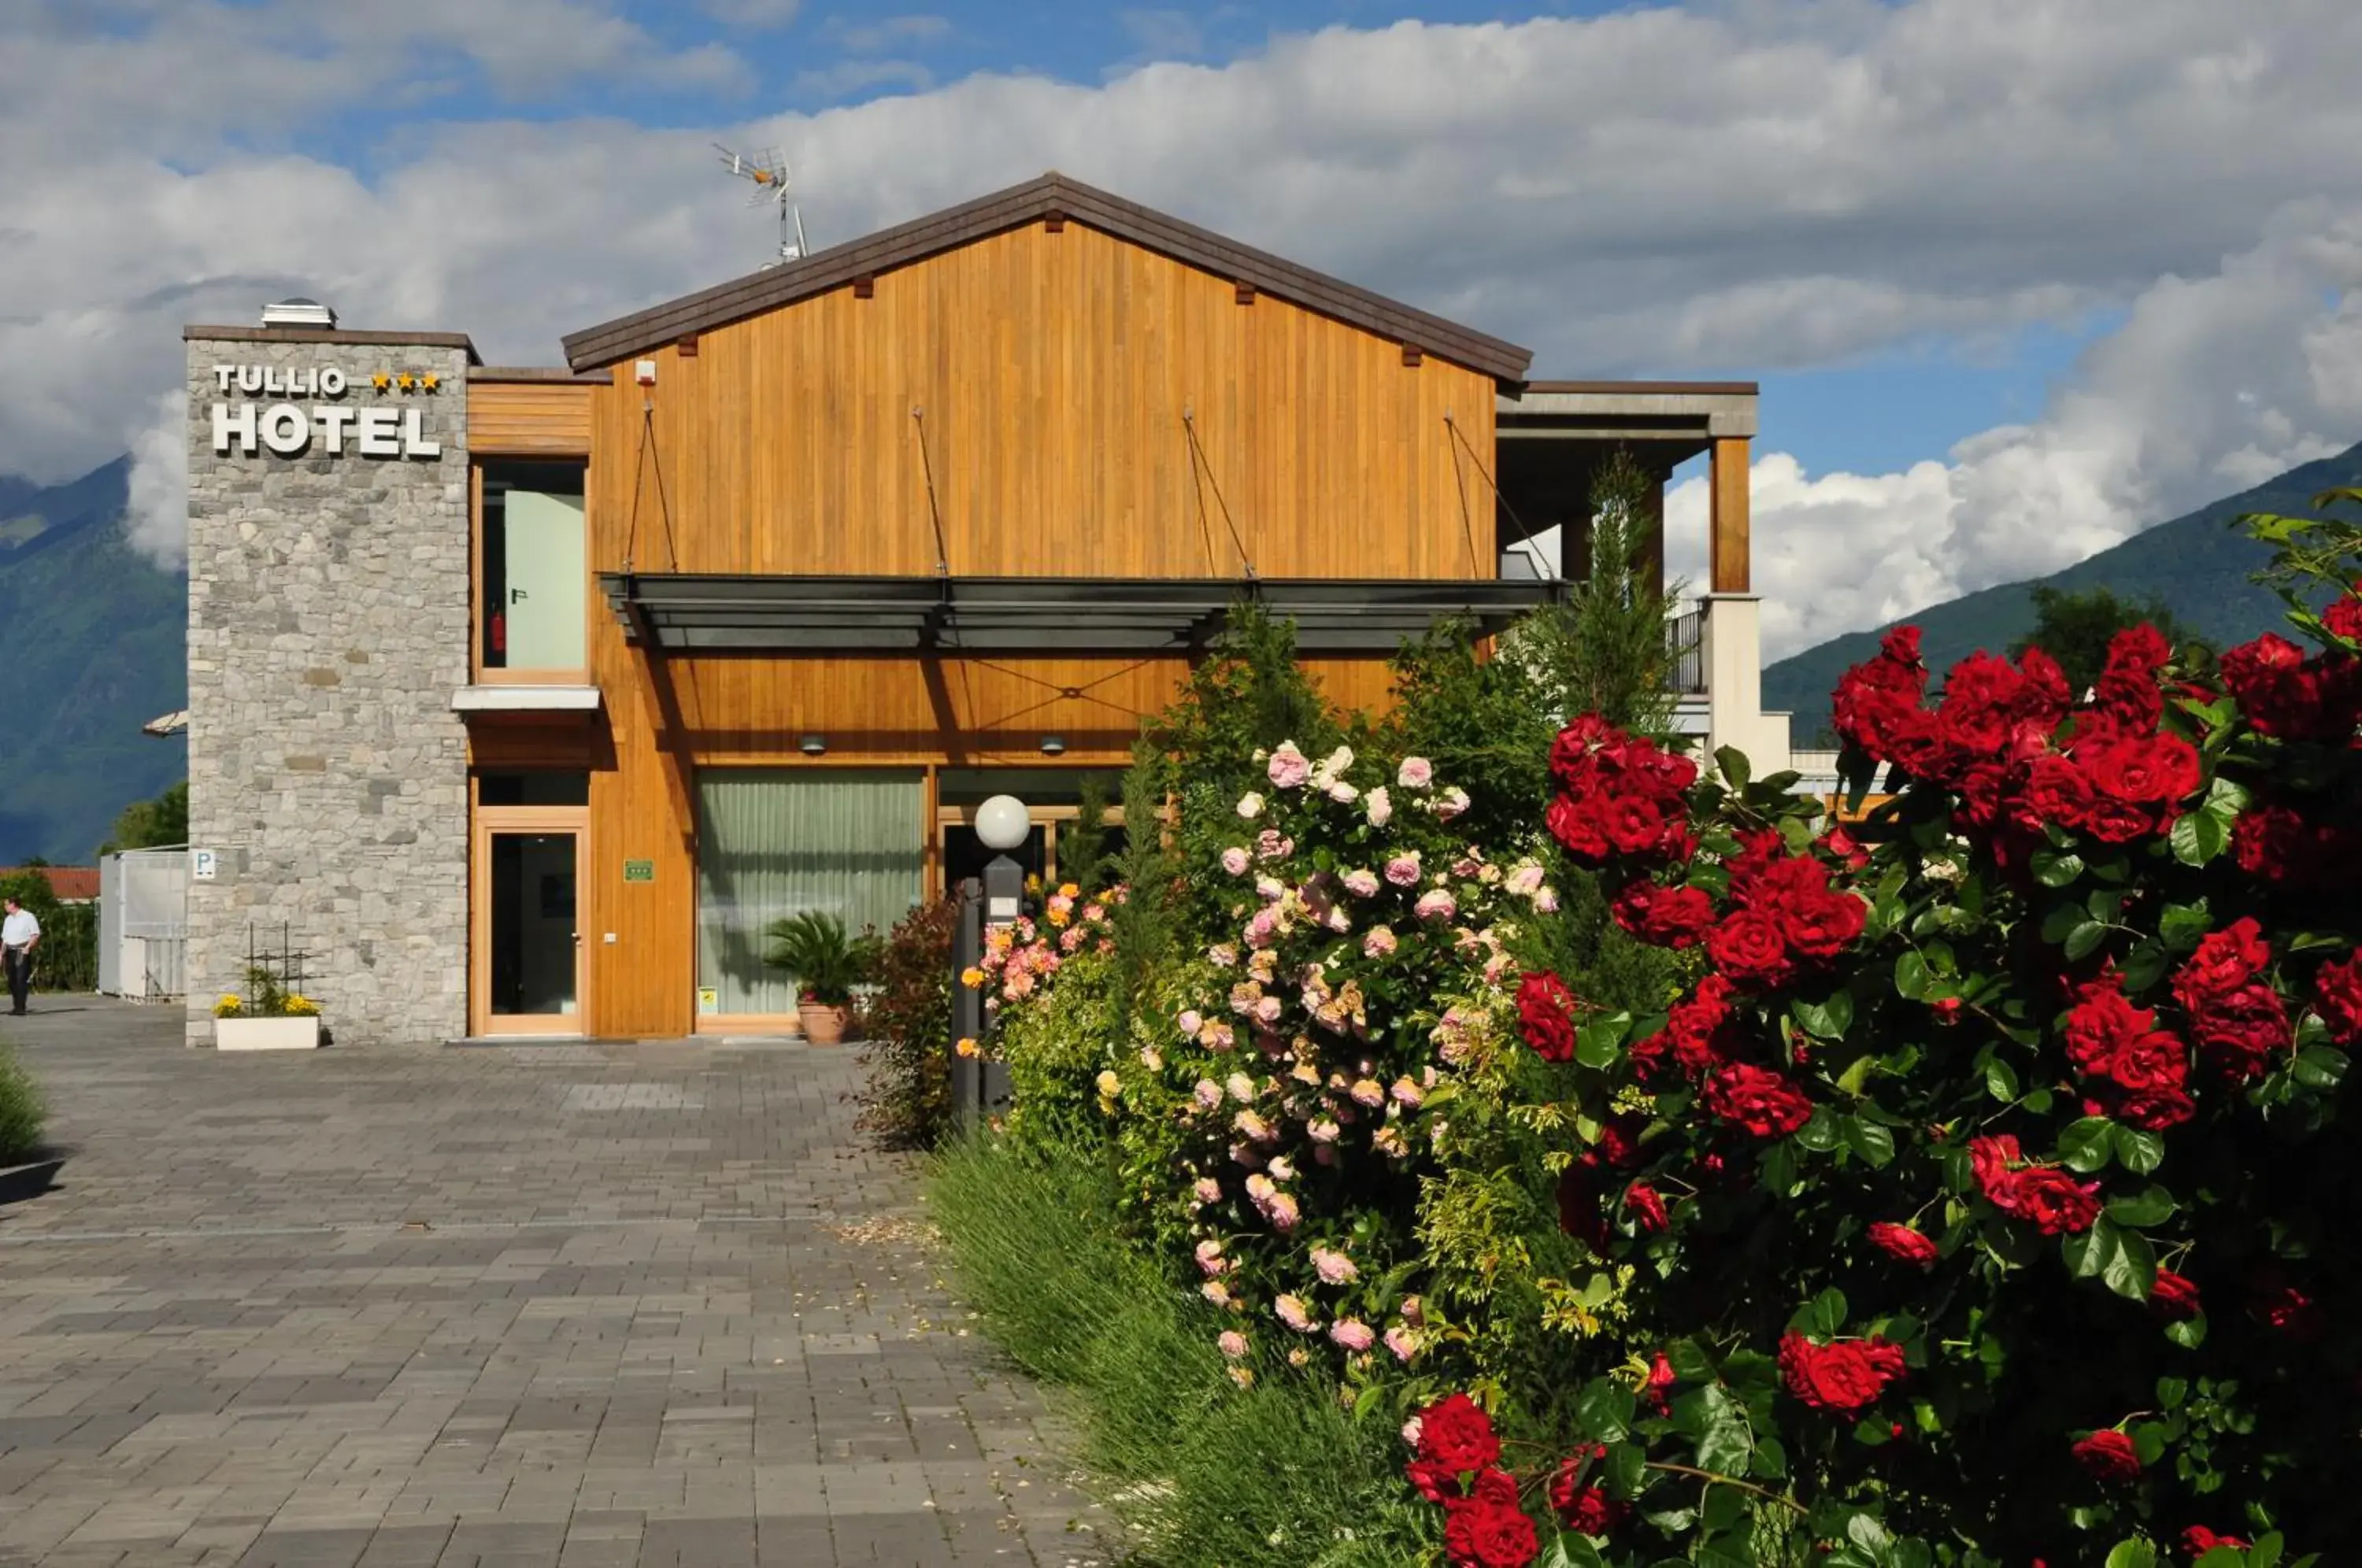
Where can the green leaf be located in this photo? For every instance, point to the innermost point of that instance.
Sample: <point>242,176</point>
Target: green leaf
<point>1725,1507</point>
<point>2086,937</point>
<point>1599,1045</point>
<point>1771,1459</point>
<point>2320,1066</point>
<point>1733,764</point>
<point>2154,1206</point>
<point>2133,1554</point>
<point>1690,1363</point>
<point>1821,1316</point>
<point>1911,975</point>
<point>1819,1132</point>
<point>1571,1550</point>
<point>1825,1021</point>
<point>1868,1532</point>
<point>1726,1551</point>
<point>2062,919</point>
<point>1781,1173</point>
<point>2199,837</point>
<point>2056,868</point>
<point>1871,1432</point>
<point>2001,1081</point>
<point>2131,1273</point>
<point>2086,1145</point>
<point>2171,1392</point>
<point>2090,1253</point>
<point>1605,1407</point>
<point>2266,1552</point>
<point>2148,1442</point>
<point>2143,967</point>
<point>1874,1143</point>
<point>1625,1469</point>
<point>2189,1333</point>
<point>2180,925</point>
<point>2138,1152</point>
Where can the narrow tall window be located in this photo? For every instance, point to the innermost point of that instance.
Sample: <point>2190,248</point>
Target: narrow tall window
<point>536,588</point>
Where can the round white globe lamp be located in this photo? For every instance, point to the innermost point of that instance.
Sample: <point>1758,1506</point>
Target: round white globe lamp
<point>1002,822</point>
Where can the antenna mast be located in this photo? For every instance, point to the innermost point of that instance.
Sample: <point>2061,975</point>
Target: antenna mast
<point>768,172</point>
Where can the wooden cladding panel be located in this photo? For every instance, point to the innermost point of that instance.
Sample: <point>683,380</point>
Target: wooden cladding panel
<point>1053,373</point>
<point>1729,544</point>
<point>521,419</point>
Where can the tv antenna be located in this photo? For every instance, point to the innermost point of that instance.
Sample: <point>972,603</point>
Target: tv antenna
<point>768,172</point>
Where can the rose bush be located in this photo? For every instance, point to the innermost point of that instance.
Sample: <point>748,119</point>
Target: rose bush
<point>1994,1166</point>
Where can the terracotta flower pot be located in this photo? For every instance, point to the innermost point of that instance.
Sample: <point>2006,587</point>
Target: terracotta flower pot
<point>822,1025</point>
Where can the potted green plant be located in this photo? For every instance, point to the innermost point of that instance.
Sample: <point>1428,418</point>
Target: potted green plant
<point>814,949</point>
<point>269,1017</point>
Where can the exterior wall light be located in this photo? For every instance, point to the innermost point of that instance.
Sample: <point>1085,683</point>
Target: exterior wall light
<point>1054,746</point>
<point>811,745</point>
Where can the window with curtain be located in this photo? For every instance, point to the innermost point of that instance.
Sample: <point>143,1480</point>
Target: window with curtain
<point>775,842</point>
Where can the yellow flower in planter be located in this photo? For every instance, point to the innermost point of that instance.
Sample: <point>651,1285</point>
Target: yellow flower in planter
<point>229,1006</point>
<point>301,1006</point>
<point>966,1048</point>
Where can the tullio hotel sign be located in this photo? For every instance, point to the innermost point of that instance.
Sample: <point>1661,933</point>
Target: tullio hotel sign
<point>288,427</point>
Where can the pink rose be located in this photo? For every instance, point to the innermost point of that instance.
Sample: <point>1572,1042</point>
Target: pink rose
<point>1323,1130</point>
<point>1233,1343</point>
<point>1344,794</point>
<point>1353,1334</point>
<point>1401,1342</point>
<point>1369,1092</point>
<point>1451,803</point>
<point>1526,881</point>
<point>1222,955</point>
<point>1268,1009</point>
<point>1292,1311</point>
<point>1259,929</point>
<point>1271,845</point>
<point>1251,805</point>
<point>1242,1088</point>
<point>1190,1023</point>
<point>1289,768</point>
<point>1435,904</point>
<point>1208,1094</point>
<point>1380,806</point>
<point>1409,1093</point>
<point>1209,1190</point>
<point>1218,1037</point>
<point>1215,1291</point>
<point>1361,882</point>
<point>1545,901</point>
<point>1334,1267</point>
<point>1378,943</point>
<point>1403,871</point>
<point>1281,1213</point>
<point>1416,773</point>
<point>1234,861</point>
<point>1209,1258</point>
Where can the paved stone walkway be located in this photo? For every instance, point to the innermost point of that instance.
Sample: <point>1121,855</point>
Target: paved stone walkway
<point>559,1305</point>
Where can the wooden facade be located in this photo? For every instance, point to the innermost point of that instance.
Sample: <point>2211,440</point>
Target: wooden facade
<point>1040,401</point>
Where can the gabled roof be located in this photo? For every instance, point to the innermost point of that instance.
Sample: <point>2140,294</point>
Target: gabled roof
<point>68,884</point>
<point>1053,195</point>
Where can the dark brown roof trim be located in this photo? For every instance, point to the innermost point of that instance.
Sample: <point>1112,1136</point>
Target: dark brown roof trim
<point>1693,389</point>
<point>535,373</point>
<point>327,335</point>
<point>1036,201</point>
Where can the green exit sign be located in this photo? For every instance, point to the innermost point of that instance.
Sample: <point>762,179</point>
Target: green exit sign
<point>639,870</point>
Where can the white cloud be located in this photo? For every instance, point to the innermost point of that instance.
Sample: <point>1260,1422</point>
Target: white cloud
<point>159,519</point>
<point>2212,384</point>
<point>1761,185</point>
<point>752,13</point>
<point>886,32</point>
<point>848,77</point>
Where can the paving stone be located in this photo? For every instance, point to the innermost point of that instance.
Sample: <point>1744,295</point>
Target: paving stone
<point>580,1306</point>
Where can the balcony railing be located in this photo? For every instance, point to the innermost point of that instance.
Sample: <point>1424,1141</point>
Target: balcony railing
<point>1685,647</point>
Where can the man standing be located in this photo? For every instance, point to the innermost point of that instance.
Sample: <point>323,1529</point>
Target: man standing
<point>19,934</point>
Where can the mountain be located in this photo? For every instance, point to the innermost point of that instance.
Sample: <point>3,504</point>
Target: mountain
<point>93,639</point>
<point>2197,564</point>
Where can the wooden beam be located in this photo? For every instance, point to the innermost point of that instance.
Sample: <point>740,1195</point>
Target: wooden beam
<point>1246,292</point>
<point>1730,543</point>
<point>687,344</point>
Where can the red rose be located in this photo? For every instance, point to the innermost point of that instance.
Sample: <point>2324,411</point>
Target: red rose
<point>1485,1534</point>
<point>2148,772</point>
<point>1661,1379</point>
<point>1569,759</point>
<point>2239,1034</point>
<point>2053,1200</point>
<point>1821,925</point>
<point>1494,1489</point>
<point>2114,819</point>
<point>2155,1110</point>
<point>1457,1435</point>
<point>1438,1482</point>
<point>2198,1540</point>
<point>1903,1242</point>
<point>1619,1143</point>
<point>2344,619</point>
<point>1586,1510</point>
<point>2273,843</point>
<point>2338,997</point>
<point>2109,1454</point>
<point>1633,823</point>
<point>2101,1024</point>
<point>1946,1009</point>
<point>2138,651</point>
<point>2226,960</point>
<point>1845,1376</point>
<point>1763,1102</point>
<point>1876,699</point>
<point>1748,949</point>
<point>1648,1209</point>
<point>1664,917</point>
<point>2175,1296</point>
<point>1546,1016</point>
<point>1575,824</point>
<point>2058,792</point>
<point>2292,1312</point>
<point>1846,847</point>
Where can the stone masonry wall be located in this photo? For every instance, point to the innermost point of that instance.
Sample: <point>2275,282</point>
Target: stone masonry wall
<point>328,629</point>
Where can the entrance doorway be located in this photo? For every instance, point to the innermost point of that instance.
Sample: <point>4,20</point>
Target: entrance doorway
<point>527,938</point>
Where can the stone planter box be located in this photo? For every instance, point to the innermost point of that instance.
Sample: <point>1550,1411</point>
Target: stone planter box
<point>266,1034</point>
<point>31,1177</point>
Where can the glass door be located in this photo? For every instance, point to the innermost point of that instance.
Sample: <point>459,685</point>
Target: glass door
<point>526,925</point>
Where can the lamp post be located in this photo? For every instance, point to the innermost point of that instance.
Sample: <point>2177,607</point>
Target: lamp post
<point>997,899</point>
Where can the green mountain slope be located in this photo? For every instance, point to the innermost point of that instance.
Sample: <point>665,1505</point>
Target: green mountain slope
<point>2197,564</point>
<point>92,640</point>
